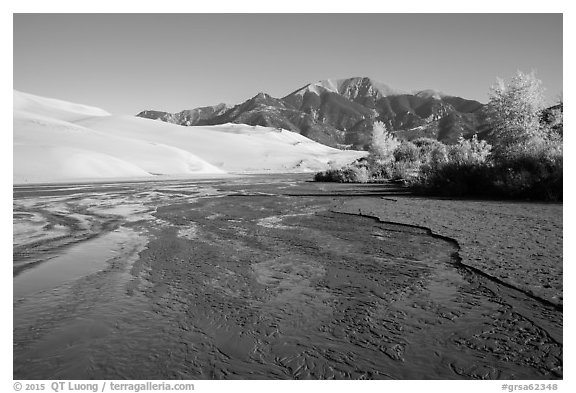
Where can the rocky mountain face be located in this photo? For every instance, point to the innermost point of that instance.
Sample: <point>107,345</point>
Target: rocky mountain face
<point>190,117</point>
<point>552,117</point>
<point>341,113</point>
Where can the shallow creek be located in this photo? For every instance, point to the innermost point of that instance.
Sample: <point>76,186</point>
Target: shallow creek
<point>244,279</point>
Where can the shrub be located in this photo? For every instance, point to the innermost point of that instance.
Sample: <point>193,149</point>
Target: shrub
<point>405,170</point>
<point>467,152</point>
<point>438,156</point>
<point>406,151</point>
<point>454,179</point>
<point>426,146</point>
<point>532,170</point>
<point>395,170</point>
<point>349,174</point>
<point>326,176</point>
<point>380,170</point>
<point>358,174</point>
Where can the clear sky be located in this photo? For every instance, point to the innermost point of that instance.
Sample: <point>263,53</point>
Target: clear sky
<point>126,63</point>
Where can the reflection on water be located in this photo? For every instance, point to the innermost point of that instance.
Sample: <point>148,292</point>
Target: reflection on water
<point>79,260</point>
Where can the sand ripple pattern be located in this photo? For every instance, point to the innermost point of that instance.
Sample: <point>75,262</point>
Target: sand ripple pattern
<point>254,283</point>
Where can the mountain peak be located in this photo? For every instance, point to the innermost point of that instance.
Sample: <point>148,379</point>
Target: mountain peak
<point>341,112</point>
<point>364,86</point>
<point>262,98</point>
<point>430,93</point>
<point>349,87</point>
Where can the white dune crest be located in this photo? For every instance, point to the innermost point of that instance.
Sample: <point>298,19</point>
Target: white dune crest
<point>54,108</point>
<point>59,141</point>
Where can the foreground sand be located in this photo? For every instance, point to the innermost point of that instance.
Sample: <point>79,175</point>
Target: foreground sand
<point>267,278</point>
<point>518,243</point>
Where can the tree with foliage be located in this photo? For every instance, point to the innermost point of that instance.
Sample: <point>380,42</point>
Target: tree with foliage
<point>383,143</point>
<point>525,160</point>
<point>515,108</point>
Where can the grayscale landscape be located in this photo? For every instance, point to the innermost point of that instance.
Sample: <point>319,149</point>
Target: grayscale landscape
<point>270,277</point>
<point>344,228</point>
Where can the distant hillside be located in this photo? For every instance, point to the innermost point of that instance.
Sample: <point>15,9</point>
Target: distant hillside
<point>187,117</point>
<point>341,112</point>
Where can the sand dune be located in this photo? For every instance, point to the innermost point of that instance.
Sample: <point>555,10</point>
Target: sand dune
<point>60,141</point>
<point>53,108</point>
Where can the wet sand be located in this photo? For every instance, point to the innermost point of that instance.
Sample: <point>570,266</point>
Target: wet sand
<point>518,243</point>
<point>265,277</point>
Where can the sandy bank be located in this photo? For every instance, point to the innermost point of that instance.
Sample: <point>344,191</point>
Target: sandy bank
<point>518,243</point>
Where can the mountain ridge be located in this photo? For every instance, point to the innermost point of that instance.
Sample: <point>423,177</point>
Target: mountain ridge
<point>341,113</point>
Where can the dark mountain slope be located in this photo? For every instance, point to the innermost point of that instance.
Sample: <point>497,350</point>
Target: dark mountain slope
<point>189,117</point>
<point>341,113</point>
